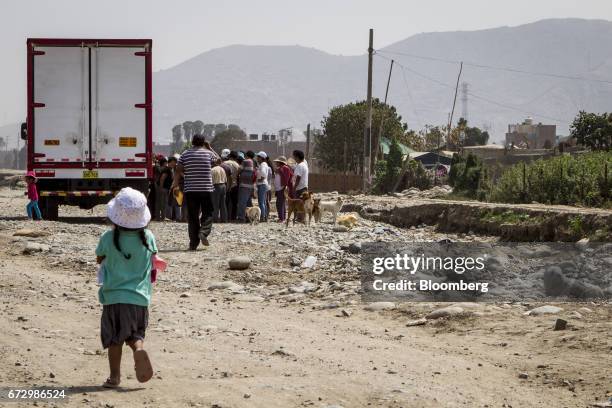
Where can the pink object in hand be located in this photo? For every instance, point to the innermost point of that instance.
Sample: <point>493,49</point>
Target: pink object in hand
<point>159,263</point>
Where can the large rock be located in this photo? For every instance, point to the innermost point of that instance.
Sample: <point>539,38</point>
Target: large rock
<point>240,263</point>
<point>445,312</point>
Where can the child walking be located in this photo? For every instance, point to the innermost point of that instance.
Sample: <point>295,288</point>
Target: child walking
<point>127,251</point>
<point>32,194</point>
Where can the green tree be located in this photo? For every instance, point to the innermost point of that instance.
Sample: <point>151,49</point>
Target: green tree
<point>466,175</point>
<point>198,127</point>
<point>388,170</point>
<point>228,139</point>
<point>414,140</point>
<point>188,130</point>
<point>593,130</point>
<point>475,137</point>
<point>208,131</point>
<point>343,130</point>
<point>177,138</point>
<point>434,138</point>
<point>2,143</point>
<point>220,128</point>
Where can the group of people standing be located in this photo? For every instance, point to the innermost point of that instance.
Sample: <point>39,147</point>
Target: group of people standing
<point>220,187</point>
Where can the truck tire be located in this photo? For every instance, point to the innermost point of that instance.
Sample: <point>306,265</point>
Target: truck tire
<point>49,207</point>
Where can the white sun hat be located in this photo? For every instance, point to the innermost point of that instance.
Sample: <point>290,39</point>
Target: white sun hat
<point>263,155</point>
<point>225,153</point>
<point>129,209</point>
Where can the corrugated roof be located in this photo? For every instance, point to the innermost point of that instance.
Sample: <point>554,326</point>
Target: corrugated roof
<point>385,145</point>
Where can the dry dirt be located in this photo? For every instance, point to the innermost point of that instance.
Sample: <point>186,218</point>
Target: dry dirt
<point>280,335</point>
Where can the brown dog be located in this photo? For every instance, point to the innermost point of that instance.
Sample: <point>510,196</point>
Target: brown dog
<point>303,205</point>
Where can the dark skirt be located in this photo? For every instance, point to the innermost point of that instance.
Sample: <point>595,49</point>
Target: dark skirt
<point>123,322</point>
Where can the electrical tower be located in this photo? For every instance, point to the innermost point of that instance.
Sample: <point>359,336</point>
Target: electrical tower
<point>464,100</point>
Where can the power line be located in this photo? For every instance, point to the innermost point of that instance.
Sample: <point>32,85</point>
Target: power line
<point>499,68</point>
<point>500,104</point>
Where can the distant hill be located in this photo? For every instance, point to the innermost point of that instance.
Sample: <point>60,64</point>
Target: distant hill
<point>265,88</point>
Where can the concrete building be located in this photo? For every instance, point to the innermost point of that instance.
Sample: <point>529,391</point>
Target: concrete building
<point>528,135</point>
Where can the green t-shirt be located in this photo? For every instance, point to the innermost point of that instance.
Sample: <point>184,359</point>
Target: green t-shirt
<point>126,280</point>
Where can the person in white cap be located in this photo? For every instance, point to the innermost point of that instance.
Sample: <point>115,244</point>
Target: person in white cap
<point>263,173</point>
<point>225,154</point>
<point>126,252</point>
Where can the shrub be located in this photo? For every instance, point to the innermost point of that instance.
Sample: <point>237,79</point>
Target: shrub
<point>570,180</point>
<point>466,175</point>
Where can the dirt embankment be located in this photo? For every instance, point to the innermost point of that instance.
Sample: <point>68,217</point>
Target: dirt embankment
<point>534,222</point>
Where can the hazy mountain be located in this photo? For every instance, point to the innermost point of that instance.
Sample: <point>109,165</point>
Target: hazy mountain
<point>265,88</point>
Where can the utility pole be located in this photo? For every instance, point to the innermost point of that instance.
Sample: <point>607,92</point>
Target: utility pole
<point>308,142</point>
<point>367,136</point>
<point>450,117</point>
<point>382,117</point>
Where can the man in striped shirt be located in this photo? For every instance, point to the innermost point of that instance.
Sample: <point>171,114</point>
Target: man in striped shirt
<point>195,166</point>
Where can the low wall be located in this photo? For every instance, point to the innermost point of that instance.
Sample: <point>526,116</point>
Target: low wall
<point>327,182</point>
<point>510,222</point>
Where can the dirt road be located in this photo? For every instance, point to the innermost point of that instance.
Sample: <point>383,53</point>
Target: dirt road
<point>279,335</point>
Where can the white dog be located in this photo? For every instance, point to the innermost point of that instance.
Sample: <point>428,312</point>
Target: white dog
<point>332,207</point>
<point>253,214</point>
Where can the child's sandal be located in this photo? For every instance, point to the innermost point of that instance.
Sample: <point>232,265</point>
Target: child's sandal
<point>142,365</point>
<point>110,384</point>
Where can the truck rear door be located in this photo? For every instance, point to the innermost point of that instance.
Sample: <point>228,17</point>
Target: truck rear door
<point>118,102</point>
<point>61,120</point>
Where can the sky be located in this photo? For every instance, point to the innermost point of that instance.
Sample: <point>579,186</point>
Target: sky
<point>181,29</point>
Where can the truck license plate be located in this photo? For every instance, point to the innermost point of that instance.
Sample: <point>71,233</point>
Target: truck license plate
<point>90,174</point>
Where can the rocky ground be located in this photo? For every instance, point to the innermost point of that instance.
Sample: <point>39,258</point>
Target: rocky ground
<point>280,333</point>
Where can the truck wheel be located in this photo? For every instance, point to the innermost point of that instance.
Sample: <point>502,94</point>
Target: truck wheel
<point>49,208</point>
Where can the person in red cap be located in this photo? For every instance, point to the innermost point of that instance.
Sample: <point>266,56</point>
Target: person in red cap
<point>32,207</point>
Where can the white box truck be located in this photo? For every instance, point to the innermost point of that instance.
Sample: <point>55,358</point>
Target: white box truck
<point>89,121</point>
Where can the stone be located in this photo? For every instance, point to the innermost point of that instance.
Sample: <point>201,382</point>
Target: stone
<point>283,353</point>
<point>295,261</point>
<point>239,263</point>
<point>340,228</point>
<point>30,233</point>
<point>303,287</point>
<point>378,230</point>
<point>560,324</point>
<point>547,309</point>
<point>445,312</point>
<point>418,322</point>
<point>346,313</point>
<point>309,262</point>
<point>378,306</point>
<point>585,310</point>
<point>355,248</point>
<point>185,295</point>
<point>523,376</point>
<point>34,247</point>
<point>223,285</point>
